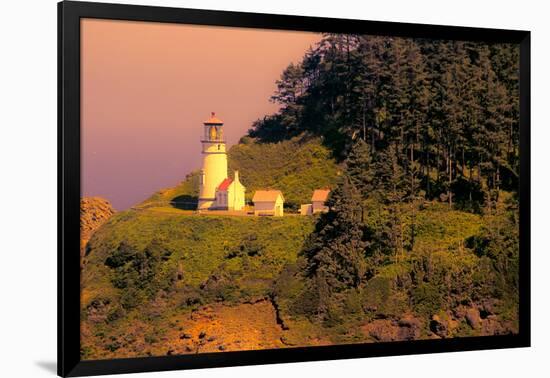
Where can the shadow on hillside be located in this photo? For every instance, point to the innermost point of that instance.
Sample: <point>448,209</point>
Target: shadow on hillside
<point>185,202</point>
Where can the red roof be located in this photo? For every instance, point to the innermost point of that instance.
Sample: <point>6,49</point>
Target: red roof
<point>225,184</point>
<point>269,195</point>
<point>320,195</point>
<point>213,120</point>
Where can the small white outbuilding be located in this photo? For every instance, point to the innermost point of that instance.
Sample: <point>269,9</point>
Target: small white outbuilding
<point>230,194</point>
<point>318,201</point>
<point>306,209</point>
<point>268,202</point>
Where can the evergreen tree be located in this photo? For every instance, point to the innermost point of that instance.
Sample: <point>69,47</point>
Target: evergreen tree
<point>336,249</point>
<point>392,194</point>
<point>359,167</point>
<point>449,109</point>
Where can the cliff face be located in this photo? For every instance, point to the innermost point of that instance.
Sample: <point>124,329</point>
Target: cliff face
<point>94,211</point>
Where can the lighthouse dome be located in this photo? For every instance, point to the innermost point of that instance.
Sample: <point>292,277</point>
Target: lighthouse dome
<point>213,120</point>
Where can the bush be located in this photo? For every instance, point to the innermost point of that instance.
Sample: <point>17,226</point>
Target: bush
<point>113,346</point>
<point>296,167</point>
<point>220,287</point>
<point>376,293</point>
<point>250,246</point>
<point>306,302</point>
<point>191,297</point>
<point>427,299</point>
<point>122,255</point>
<point>353,302</point>
<point>131,298</point>
<point>380,299</point>
<point>115,314</point>
<point>139,274</point>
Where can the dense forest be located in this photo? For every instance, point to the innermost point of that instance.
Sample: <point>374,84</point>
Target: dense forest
<point>413,123</point>
<point>445,112</point>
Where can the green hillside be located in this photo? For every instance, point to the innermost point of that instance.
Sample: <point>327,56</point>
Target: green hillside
<point>155,277</point>
<point>145,267</point>
<point>457,281</point>
<point>296,167</point>
<point>242,255</point>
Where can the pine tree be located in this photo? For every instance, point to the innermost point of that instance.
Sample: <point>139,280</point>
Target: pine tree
<point>336,249</point>
<point>392,194</point>
<point>359,167</point>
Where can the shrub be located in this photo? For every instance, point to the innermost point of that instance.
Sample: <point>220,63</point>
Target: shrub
<point>131,298</point>
<point>353,302</point>
<point>115,314</point>
<point>306,302</point>
<point>426,298</point>
<point>250,246</point>
<point>380,298</point>
<point>113,346</point>
<point>139,274</point>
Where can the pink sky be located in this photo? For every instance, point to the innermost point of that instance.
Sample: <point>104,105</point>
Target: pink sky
<point>147,87</point>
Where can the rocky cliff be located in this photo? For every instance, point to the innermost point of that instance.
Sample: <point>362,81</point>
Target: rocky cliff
<point>94,211</point>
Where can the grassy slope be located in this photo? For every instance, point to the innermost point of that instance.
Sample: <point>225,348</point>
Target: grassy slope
<point>297,167</point>
<point>200,244</point>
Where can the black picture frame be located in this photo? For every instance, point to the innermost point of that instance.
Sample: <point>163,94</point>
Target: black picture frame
<point>69,15</point>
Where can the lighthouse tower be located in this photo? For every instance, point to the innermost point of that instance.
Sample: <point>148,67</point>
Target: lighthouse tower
<point>214,167</point>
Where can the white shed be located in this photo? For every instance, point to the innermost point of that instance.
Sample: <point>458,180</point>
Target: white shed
<point>268,202</point>
<point>306,209</point>
<point>230,194</point>
<point>318,200</point>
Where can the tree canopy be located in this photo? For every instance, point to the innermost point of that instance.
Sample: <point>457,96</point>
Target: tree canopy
<point>447,111</point>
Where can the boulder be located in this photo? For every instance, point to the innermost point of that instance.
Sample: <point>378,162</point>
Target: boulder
<point>472,318</point>
<point>382,330</point>
<point>439,326</point>
<point>409,328</point>
<point>409,321</point>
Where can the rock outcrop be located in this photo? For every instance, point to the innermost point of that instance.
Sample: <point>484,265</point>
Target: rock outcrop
<point>94,211</point>
<point>406,328</point>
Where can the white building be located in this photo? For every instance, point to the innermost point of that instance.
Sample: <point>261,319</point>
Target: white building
<point>230,194</point>
<point>318,201</point>
<point>268,202</point>
<point>305,209</point>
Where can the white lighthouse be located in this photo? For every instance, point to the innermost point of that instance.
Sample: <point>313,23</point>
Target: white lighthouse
<point>217,191</point>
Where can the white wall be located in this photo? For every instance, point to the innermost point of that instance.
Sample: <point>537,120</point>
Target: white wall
<point>28,187</point>
<point>264,206</point>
